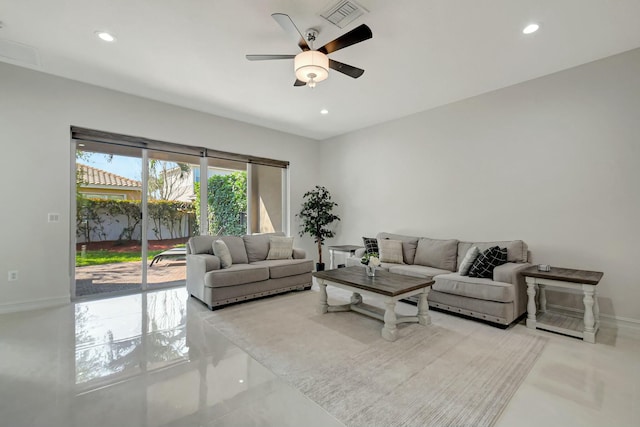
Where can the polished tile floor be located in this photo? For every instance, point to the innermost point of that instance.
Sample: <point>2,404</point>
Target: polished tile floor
<point>151,359</point>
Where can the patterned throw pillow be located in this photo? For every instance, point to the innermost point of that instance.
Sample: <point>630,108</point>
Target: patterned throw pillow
<point>391,251</point>
<point>487,261</point>
<point>469,259</point>
<point>370,245</point>
<point>221,250</point>
<point>280,247</point>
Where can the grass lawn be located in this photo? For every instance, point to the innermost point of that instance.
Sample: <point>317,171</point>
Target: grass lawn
<point>107,257</point>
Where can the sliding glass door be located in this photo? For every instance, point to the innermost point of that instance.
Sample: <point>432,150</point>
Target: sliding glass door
<point>108,194</point>
<point>173,187</point>
<point>138,201</point>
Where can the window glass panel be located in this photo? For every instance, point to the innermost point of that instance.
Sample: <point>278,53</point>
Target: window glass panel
<point>227,197</point>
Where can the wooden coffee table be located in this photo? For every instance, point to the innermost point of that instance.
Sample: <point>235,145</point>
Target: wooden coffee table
<point>389,286</point>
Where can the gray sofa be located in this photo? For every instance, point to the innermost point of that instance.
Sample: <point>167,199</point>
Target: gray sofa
<point>500,300</point>
<point>250,276</point>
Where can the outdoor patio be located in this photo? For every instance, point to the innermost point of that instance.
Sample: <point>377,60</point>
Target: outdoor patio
<point>123,276</point>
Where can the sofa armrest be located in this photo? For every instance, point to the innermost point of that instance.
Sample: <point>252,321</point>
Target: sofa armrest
<point>203,262</point>
<point>353,261</point>
<point>510,273</point>
<point>299,253</point>
<point>197,267</point>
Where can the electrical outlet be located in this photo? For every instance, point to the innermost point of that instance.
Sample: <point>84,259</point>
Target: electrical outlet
<point>13,275</point>
<point>53,217</point>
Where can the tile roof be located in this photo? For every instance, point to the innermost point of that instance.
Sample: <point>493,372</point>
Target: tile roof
<point>94,176</point>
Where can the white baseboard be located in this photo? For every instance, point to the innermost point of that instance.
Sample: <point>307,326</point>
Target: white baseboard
<point>605,319</point>
<point>33,304</point>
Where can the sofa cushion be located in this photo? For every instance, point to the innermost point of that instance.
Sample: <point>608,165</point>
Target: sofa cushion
<point>236,248</point>
<point>472,254</point>
<point>516,249</point>
<point>370,245</point>
<point>285,268</point>
<point>237,274</point>
<point>474,287</point>
<point>257,245</point>
<point>437,253</point>
<point>417,270</point>
<point>409,245</point>
<point>488,260</point>
<point>280,247</point>
<point>221,250</point>
<point>201,245</point>
<point>390,251</point>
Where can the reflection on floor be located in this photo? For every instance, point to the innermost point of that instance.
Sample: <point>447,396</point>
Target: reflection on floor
<point>139,360</point>
<point>151,359</point>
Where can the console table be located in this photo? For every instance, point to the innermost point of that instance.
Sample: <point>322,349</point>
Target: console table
<point>349,249</point>
<point>568,279</point>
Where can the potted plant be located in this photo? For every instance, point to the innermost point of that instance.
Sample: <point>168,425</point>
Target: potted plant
<point>315,216</point>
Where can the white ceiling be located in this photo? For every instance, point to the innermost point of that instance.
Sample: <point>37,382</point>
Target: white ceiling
<point>424,53</point>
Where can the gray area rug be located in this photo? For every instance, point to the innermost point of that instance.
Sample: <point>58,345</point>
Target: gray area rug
<point>455,372</point>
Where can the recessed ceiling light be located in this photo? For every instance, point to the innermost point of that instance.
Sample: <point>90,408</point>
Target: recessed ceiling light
<point>324,111</point>
<point>107,37</point>
<point>531,28</point>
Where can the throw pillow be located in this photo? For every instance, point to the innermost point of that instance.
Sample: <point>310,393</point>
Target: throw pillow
<point>221,250</point>
<point>468,260</point>
<point>437,253</point>
<point>487,261</point>
<point>236,248</point>
<point>280,247</point>
<point>370,245</point>
<point>390,251</point>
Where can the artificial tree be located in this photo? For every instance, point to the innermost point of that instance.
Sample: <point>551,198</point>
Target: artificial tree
<point>315,217</point>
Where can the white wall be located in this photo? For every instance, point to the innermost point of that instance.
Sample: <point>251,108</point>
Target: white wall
<point>36,111</point>
<point>554,161</point>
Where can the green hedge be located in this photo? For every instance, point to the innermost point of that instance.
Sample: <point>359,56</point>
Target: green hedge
<point>94,216</point>
<point>227,203</point>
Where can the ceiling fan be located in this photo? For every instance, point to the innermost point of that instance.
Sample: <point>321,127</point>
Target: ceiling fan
<point>312,66</point>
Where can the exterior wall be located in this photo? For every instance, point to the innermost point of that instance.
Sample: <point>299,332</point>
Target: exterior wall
<point>129,194</point>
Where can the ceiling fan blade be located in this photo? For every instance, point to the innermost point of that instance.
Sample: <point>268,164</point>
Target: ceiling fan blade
<point>268,57</point>
<point>299,83</point>
<point>347,69</point>
<point>357,35</point>
<point>290,28</point>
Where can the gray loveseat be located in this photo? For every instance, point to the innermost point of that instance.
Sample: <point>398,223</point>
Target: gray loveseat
<point>499,300</point>
<point>251,275</point>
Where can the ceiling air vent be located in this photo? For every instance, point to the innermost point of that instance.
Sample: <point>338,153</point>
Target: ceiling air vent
<point>20,53</point>
<point>343,13</point>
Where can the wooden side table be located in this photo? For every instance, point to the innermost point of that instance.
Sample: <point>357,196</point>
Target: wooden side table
<point>563,278</point>
<point>350,249</point>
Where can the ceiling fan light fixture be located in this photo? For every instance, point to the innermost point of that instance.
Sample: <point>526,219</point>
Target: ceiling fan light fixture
<point>311,67</point>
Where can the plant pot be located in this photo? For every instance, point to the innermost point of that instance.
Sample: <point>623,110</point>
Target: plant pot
<point>319,266</point>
